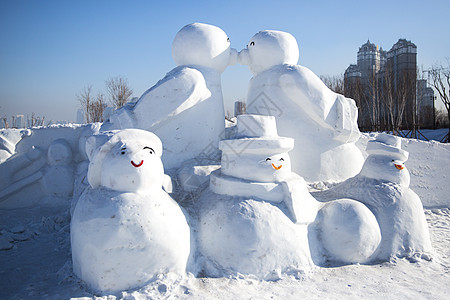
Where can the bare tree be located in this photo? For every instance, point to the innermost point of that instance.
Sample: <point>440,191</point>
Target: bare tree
<point>118,90</point>
<point>97,108</point>
<point>440,80</point>
<point>36,121</point>
<point>85,97</point>
<point>334,83</point>
<point>93,108</point>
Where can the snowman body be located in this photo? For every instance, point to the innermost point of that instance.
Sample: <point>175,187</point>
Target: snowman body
<point>254,217</point>
<point>125,228</point>
<point>383,186</point>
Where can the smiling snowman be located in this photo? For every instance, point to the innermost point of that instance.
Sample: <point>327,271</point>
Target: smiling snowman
<point>125,228</point>
<point>254,217</point>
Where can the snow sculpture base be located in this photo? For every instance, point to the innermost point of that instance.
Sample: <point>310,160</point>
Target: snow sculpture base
<point>123,240</point>
<point>254,218</point>
<point>247,236</point>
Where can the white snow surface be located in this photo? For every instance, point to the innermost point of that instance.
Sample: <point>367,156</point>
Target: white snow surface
<point>36,257</point>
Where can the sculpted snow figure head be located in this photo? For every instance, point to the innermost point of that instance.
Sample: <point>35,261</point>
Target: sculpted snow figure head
<point>129,162</point>
<point>269,48</point>
<point>257,153</point>
<point>203,45</point>
<point>386,160</point>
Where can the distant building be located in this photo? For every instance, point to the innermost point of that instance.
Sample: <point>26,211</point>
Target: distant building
<point>402,62</point>
<point>80,116</point>
<point>19,121</point>
<point>425,104</point>
<point>239,108</point>
<point>383,85</point>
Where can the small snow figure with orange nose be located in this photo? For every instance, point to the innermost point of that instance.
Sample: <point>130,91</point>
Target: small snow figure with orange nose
<point>383,186</point>
<point>254,217</point>
<point>126,229</point>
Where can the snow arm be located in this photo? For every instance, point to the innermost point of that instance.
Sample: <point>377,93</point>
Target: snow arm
<point>181,89</point>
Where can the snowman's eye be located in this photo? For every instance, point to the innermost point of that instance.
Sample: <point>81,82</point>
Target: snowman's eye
<point>392,160</point>
<point>122,151</point>
<point>151,150</point>
<point>267,159</point>
<point>281,159</point>
<point>252,43</point>
<point>228,40</point>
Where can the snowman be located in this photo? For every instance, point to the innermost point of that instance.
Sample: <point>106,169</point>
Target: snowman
<point>125,228</point>
<point>254,217</point>
<point>322,122</point>
<point>185,108</point>
<point>383,186</point>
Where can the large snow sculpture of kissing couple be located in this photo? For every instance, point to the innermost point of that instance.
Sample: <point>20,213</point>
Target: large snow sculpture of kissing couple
<point>256,216</point>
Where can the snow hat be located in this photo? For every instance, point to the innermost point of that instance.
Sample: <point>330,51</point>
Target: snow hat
<point>387,145</point>
<point>256,134</point>
<point>203,45</point>
<point>269,48</point>
<point>122,136</point>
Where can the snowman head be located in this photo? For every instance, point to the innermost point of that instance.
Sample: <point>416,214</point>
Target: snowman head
<point>129,162</point>
<point>203,45</point>
<point>269,48</point>
<point>386,160</point>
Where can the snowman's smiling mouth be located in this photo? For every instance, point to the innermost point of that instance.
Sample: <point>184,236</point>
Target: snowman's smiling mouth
<point>137,165</point>
<point>277,168</point>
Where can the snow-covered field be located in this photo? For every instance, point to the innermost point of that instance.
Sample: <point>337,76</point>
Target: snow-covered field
<point>38,264</point>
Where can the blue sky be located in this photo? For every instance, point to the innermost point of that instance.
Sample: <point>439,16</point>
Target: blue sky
<point>50,50</point>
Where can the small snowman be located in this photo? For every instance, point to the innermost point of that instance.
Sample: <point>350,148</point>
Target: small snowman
<point>125,228</point>
<point>185,108</point>
<point>383,186</point>
<point>322,123</point>
<point>254,217</point>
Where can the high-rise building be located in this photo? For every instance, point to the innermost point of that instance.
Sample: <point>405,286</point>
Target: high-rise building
<point>402,63</point>
<point>425,104</point>
<point>19,121</point>
<point>384,86</point>
<point>239,108</point>
<point>80,116</point>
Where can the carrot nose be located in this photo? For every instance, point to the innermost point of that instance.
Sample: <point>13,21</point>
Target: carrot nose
<point>399,167</point>
<point>276,168</point>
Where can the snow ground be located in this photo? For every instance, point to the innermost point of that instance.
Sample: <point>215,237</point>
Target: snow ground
<point>39,267</point>
<point>38,263</point>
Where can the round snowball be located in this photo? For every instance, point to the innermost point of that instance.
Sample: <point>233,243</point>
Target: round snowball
<point>349,231</point>
<point>203,45</point>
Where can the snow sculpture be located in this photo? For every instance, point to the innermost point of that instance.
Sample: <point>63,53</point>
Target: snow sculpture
<point>348,232</point>
<point>254,218</point>
<point>383,185</point>
<point>126,229</point>
<point>185,108</point>
<point>322,122</point>
<point>32,177</point>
